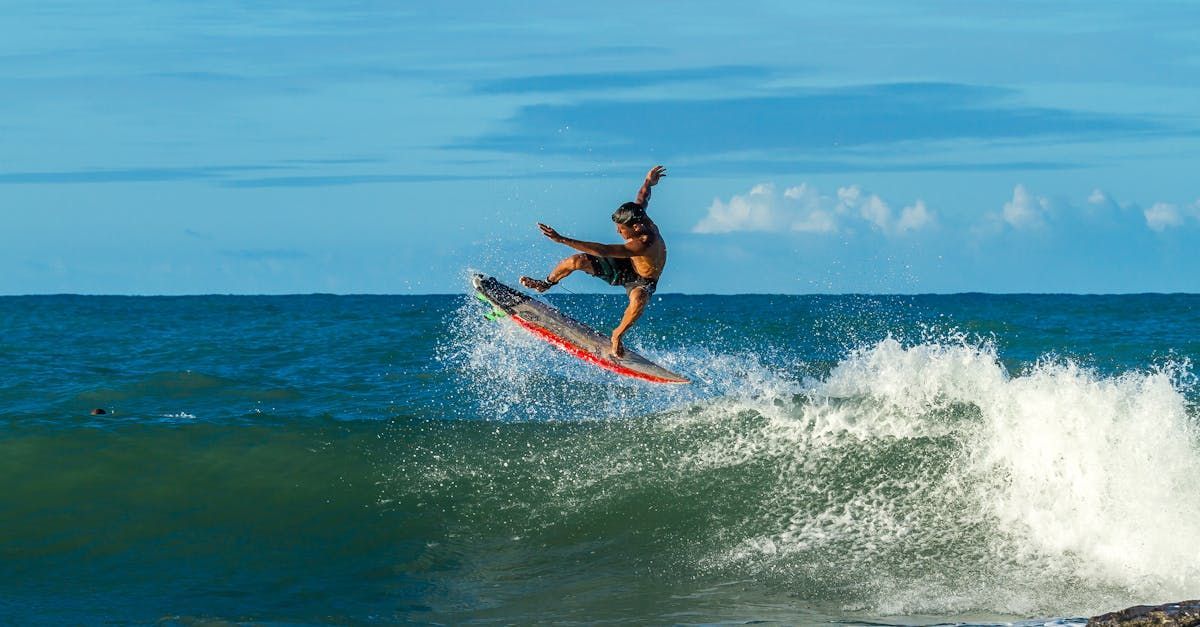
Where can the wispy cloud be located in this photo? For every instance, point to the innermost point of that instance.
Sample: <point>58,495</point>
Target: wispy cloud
<point>243,176</point>
<point>338,161</point>
<point>223,175</point>
<point>203,76</point>
<point>734,165</point>
<point>603,81</point>
<point>804,209</point>
<point>820,121</point>
<point>266,254</point>
<point>339,180</point>
<point>132,175</point>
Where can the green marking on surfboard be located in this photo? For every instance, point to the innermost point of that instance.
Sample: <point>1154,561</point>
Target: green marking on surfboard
<point>496,313</point>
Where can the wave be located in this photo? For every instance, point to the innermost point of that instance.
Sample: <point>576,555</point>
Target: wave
<point>904,479</point>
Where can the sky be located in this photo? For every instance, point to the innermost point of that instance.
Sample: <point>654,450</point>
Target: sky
<point>174,147</point>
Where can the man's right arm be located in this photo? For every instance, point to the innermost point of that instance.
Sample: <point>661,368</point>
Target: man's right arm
<point>631,248</point>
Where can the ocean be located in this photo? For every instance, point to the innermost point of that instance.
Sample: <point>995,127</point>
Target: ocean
<point>318,459</point>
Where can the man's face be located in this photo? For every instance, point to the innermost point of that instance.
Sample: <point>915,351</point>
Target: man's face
<point>626,231</point>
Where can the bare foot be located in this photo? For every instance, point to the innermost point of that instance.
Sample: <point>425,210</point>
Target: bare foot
<point>536,284</point>
<point>617,350</point>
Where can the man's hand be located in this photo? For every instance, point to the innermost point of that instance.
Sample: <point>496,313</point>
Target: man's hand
<point>551,233</point>
<point>655,173</point>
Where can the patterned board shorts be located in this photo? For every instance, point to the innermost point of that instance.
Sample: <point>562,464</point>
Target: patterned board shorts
<point>619,271</point>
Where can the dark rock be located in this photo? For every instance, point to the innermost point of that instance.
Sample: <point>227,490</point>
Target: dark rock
<point>1181,614</point>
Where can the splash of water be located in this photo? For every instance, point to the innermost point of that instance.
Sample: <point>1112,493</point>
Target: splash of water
<point>928,478</point>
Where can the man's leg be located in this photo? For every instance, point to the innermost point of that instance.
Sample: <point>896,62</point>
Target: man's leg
<point>560,272</point>
<point>638,297</point>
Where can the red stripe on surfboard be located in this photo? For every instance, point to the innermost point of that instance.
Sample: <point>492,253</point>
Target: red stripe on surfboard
<point>585,355</point>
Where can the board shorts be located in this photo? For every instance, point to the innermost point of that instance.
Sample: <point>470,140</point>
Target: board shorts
<point>619,271</point>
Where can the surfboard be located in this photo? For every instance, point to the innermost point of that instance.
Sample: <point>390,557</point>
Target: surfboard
<point>560,330</point>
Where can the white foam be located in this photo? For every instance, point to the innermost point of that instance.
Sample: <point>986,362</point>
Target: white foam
<point>1101,471</point>
<point>1079,488</point>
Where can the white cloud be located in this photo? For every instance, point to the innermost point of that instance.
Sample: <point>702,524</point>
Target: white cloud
<point>1028,210</point>
<point>1162,216</point>
<point>816,222</point>
<point>1025,210</point>
<point>1103,205</point>
<point>914,218</point>
<point>753,212</point>
<point>803,209</point>
<point>874,210</point>
<point>811,214</point>
<point>1158,217</point>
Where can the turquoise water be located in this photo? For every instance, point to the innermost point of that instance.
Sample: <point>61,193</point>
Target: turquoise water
<point>325,459</point>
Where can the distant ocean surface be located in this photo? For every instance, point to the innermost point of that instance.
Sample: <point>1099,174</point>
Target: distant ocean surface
<point>386,459</point>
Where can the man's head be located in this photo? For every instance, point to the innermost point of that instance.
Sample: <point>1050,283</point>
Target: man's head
<point>629,219</point>
<point>629,214</point>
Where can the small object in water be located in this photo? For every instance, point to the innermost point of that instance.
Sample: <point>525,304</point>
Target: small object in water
<point>99,411</point>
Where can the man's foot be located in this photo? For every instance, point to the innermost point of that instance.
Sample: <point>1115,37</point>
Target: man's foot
<point>537,285</point>
<point>617,350</point>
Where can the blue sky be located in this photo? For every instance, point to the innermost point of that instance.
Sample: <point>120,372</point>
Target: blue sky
<point>377,147</point>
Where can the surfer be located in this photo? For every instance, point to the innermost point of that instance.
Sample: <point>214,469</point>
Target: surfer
<point>635,265</point>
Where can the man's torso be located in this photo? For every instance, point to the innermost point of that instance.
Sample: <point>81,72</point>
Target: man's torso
<point>652,263</point>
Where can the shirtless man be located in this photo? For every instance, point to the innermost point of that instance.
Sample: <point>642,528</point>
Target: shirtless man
<point>635,265</point>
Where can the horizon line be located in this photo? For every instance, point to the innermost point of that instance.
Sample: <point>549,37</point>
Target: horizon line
<point>467,293</point>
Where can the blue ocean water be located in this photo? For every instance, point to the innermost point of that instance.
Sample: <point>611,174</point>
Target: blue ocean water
<point>383,459</point>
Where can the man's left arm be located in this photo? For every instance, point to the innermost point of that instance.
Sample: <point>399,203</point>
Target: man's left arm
<point>652,177</point>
